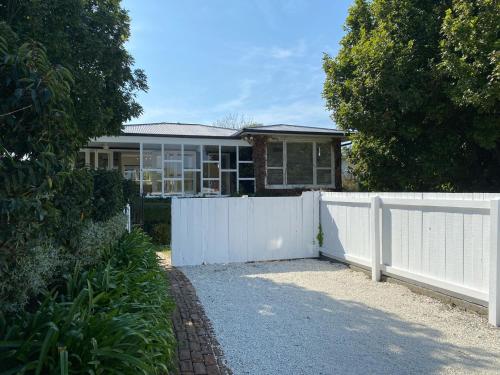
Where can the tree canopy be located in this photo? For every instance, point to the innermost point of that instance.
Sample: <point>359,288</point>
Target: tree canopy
<point>417,82</point>
<point>88,38</point>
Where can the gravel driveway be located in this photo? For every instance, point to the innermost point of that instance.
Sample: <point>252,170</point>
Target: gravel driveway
<point>316,317</point>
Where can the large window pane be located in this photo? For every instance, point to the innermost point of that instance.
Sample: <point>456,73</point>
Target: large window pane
<point>210,170</point>
<point>211,186</point>
<point>117,160</point>
<point>228,157</point>
<point>246,170</point>
<point>324,176</point>
<point>152,183</point>
<point>323,155</point>
<point>192,183</point>
<point>173,169</point>
<point>299,163</point>
<point>245,153</point>
<point>172,152</point>
<point>191,157</point>
<point>152,158</point>
<point>247,187</point>
<point>211,153</point>
<point>102,160</point>
<point>275,177</point>
<point>173,186</point>
<point>228,183</point>
<point>275,154</point>
<point>130,165</point>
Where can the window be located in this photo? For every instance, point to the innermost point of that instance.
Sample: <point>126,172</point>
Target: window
<point>299,163</point>
<point>172,169</point>
<point>275,166</point>
<point>192,169</point>
<point>152,169</point>
<point>169,169</point>
<point>245,173</point>
<point>324,164</point>
<point>152,183</point>
<point>211,169</point>
<point>291,163</point>
<point>152,156</point>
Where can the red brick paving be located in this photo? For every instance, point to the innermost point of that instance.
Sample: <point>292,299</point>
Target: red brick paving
<point>198,351</point>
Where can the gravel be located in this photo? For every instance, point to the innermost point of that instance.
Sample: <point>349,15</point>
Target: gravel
<point>316,317</point>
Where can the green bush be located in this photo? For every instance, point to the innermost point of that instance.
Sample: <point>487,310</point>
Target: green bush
<point>73,200</point>
<point>108,194</point>
<point>131,190</point>
<point>113,319</point>
<point>28,276</point>
<point>157,220</point>
<point>96,239</point>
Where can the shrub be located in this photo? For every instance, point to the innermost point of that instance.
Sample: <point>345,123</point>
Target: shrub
<point>73,199</point>
<point>161,234</point>
<point>113,319</point>
<point>28,276</point>
<point>97,238</point>
<point>108,194</point>
<point>157,220</point>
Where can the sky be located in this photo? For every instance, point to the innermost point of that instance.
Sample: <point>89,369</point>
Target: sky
<point>257,59</point>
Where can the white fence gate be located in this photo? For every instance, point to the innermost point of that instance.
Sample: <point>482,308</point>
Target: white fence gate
<point>447,241</point>
<point>224,230</point>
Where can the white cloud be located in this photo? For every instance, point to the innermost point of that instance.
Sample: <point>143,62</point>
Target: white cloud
<point>284,53</point>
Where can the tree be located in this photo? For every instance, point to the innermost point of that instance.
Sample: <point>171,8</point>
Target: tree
<point>235,121</point>
<point>88,38</point>
<point>392,85</point>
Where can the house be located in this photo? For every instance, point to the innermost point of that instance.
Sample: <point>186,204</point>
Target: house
<point>190,159</point>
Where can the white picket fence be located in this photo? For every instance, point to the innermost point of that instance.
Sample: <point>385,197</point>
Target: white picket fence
<point>225,230</point>
<point>447,241</point>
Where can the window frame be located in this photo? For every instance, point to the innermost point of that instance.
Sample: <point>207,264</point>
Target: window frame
<point>315,168</point>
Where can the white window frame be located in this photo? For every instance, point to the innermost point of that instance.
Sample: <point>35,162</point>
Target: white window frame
<point>238,163</point>
<point>174,161</point>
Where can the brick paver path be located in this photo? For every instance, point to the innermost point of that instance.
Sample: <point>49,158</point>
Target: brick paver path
<point>198,350</point>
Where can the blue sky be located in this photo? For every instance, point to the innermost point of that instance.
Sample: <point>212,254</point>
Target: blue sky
<point>261,59</point>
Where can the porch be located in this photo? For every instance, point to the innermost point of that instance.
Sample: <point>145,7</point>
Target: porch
<point>187,168</point>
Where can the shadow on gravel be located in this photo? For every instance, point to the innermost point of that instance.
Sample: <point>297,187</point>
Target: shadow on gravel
<point>295,330</point>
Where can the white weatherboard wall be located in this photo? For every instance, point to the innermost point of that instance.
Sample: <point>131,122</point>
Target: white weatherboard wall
<point>447,241</point>
<point>225,230</point>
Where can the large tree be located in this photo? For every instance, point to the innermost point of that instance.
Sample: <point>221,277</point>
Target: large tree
<point>88,38</point>
<point>417,82</point>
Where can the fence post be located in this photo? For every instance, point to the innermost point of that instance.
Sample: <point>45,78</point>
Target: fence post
<point>375,236</point>
<point>129,222</point>
<point>494,287</point>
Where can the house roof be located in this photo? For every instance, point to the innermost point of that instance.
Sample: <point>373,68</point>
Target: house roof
<point>167,129</point>
<point>292,129</point>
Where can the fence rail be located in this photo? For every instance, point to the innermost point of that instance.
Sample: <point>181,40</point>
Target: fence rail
<point>447,241</point>
<point>448,244</point>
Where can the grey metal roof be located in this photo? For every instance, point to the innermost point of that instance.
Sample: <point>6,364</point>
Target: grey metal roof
<point>177,130</point>
<point>293,129</point>
<point>167,129</point>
